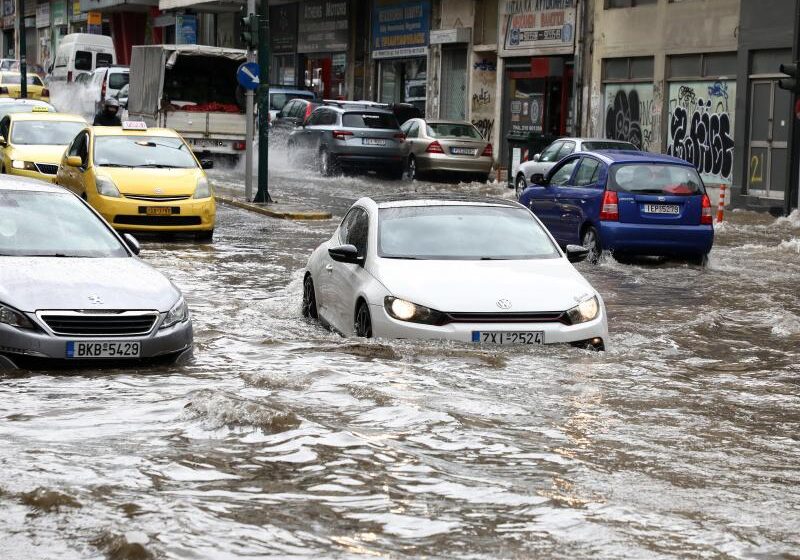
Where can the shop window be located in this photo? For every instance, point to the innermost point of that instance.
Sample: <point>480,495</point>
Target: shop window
<point>628,3</point>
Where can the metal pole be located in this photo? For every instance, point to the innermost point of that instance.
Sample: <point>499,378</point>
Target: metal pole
<point>249,96</point>
<point>792,193</point>
<point>23,64</point>
<point>263,105</point>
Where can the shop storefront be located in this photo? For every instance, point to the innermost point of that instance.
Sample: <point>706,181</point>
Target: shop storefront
<point>400,35</point>
<point>322,46</point>
<point>283,45</point>
<point>538,43</point>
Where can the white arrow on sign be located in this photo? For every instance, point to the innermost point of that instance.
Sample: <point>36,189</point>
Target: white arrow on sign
<point>250,75</point>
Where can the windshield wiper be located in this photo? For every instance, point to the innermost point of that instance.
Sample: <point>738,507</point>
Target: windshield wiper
<point>161,166</point>
<point>494,259</point>
<point>113,165</point>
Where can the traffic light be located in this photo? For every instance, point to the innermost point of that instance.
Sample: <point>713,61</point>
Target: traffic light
<point>250,31</point>
<point>792,83</point>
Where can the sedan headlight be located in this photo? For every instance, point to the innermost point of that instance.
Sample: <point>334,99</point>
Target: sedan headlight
<point>26,165</point>
<point>106,187</point>
<point>14,318</point>
<point>178,314</point>
<point>202,190</point>
<point>585,311</point>
<point>403,310</point>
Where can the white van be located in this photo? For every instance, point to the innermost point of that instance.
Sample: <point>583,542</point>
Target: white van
<point>80,53</point>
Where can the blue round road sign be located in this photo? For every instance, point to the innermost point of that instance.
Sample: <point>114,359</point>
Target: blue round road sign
<point>247,75</point>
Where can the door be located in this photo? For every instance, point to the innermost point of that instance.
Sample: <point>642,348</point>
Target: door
<point>346,278</point>
<point>73,177</point>
<point>454,84</point>
<point>770,111</point>
<point>544,200</point>
<point>581,200</point>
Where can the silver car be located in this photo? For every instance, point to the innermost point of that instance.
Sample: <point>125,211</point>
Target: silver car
<point>350,135</point>
<point>73,290</point>
<point>541,164</point>
<point>451,147</point>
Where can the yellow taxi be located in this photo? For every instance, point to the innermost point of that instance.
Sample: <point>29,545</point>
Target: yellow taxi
<point>140,179</point>
<point>11,83</point>
<point>32,144</point>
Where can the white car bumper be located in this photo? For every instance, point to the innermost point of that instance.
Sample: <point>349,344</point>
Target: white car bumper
<point>384,326</point>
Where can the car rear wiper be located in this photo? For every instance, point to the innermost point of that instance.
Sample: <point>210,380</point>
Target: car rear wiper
<point>648,191</point>
<point>494,259</point>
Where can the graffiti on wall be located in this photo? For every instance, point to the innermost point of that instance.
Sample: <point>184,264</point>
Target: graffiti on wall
<point>631,114</point>
<point>701,126</point>
<point>484,86</point>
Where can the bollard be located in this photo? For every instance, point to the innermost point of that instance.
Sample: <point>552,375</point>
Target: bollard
<point>721,205</point>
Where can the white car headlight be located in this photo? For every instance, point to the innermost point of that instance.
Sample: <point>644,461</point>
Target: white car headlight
<point>178,314</point>
<point>403,310</point>
<point>202,190</point>
<point>585,311</point>
<point>20,164</point>
<point>106,187</point>
<point>14,318</point>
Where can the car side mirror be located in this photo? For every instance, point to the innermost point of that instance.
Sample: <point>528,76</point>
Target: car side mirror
<point>207,163</point>
<point>74,161</point>
<point>538,179</point>
<point>577,253</point>
<point>132,243</point>
<point>537,157</point>
<point>346,254</point>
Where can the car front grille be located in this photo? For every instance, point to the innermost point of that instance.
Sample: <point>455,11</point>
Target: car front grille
<point>47,168</point>
<point>157,198</point>
<point>107,323</point>
<point>513,317</point>
<point>158,220</point>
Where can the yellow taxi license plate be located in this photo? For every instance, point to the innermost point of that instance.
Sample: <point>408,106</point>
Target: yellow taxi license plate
<point>159,210</point>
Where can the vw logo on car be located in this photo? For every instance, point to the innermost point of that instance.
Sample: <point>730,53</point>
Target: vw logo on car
<point>503,304</point>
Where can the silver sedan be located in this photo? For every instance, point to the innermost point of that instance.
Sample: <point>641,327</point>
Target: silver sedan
<point>451,147</point>
<point>73,290</point>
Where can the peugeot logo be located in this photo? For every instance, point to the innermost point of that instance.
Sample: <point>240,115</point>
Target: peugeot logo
<point>503,304</point>
<point>95,299</point>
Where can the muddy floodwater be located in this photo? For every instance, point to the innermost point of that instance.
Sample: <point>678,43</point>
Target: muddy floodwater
<point>281,439</point>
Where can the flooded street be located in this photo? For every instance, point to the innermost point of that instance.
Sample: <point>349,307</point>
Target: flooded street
<point>282,439</point>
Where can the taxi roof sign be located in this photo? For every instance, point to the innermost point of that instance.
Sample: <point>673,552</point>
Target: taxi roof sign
<point>40,109</point>
<point>134,125</point>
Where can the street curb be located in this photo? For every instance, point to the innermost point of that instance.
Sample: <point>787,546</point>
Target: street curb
<point>272,213</point>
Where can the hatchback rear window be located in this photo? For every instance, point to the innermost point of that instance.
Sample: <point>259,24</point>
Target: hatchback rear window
<point>117,80</point>
<point>654,178</point>
<point>369,120</point>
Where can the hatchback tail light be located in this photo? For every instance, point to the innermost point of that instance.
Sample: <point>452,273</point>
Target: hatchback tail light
<point>309,109</point>
<point>400,137</point>
<point>103,90</point>
<point>239,145</point>
<point>488,151</point>
<point>434,148</point>
<point>46,92</point>
<point>610,210</point>
<point>341,134</point>
<point>705,216</point>
<point>69,76</point>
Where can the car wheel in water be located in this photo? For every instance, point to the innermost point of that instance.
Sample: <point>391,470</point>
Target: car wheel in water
<point>520,185</point>
<point>363,321</point>
<point>309,298</point>
<point>699,260</point>
<point>204,236</point>
<point>591,240</point>
<point>327,163</point>
<point>411,168</point>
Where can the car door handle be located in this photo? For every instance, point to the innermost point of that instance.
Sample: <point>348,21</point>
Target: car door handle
<point>329,267</point>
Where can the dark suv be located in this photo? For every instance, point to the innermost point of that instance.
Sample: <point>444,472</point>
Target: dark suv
<point>351,136</point>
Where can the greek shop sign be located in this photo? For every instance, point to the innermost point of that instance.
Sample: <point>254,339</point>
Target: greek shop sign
<point>400,29</point>
<point>538,26</point>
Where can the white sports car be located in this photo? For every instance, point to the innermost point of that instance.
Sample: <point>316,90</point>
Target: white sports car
<point>468,269</point>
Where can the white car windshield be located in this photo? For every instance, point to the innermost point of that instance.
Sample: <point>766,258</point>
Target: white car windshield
<point>47,224</point>
<point>142,151</point>
<point>462,232</point>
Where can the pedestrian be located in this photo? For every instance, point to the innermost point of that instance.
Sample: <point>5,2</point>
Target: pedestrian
<point>109,115</point>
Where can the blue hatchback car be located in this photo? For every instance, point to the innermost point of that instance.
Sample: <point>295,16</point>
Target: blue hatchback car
<point>628,203</point>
